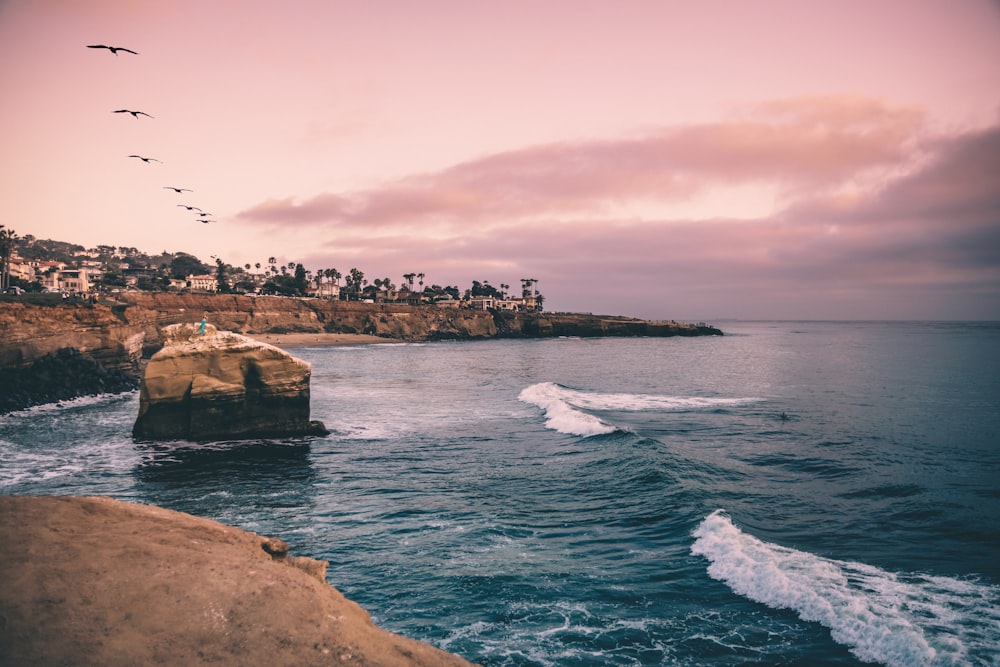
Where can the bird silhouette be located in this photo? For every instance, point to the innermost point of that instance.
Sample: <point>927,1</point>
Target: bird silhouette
<point>112,49</point>
<point>190,208</point>
<point>147,159</point>
<point>177,190</point>
<point>203,214</point>
<point>204,221</point>
<point>135,114</point>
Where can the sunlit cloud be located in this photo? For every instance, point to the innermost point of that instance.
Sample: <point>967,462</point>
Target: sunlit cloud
<point>785,148</point>
<point>934,228</point>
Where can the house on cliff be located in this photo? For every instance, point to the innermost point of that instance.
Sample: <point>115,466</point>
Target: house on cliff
<point>21,269</point>
<point>516,305</point>
<point>75,280</point>
<point>204,283</point>
<point>328,290</point>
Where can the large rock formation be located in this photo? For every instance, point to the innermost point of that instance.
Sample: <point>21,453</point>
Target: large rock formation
<point>96,581</point>
<point>216,385</point>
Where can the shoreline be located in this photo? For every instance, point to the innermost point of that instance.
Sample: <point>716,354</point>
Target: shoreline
<point>291,340</point>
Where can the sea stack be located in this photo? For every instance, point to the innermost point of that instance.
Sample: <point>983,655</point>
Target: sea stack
<point>207,384</point>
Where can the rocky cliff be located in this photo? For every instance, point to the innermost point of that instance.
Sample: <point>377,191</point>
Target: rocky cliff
<point>96,581</point>
<point>119,333</point>
<point>207,384</point>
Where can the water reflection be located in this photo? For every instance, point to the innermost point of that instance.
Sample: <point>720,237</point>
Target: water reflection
<point>256,484</point>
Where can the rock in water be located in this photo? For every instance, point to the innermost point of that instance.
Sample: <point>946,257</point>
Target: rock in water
<point>219,385</point>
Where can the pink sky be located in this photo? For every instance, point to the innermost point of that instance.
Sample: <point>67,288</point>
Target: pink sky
<point>681,159</point>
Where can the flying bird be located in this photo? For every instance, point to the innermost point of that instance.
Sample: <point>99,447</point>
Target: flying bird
<point>112,49</point>
<point>135,114</point>
<point>177,190</point>
<point>190,208</point>
<point>204,220</point>
<point>147,159</point>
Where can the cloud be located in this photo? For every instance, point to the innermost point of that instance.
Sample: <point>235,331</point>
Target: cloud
<point>793,145</point>
<point>877,218</point>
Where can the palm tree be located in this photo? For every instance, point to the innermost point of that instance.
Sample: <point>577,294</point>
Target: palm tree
<point>7,239</point>
<point>408,277</point>
<point>420,277</point>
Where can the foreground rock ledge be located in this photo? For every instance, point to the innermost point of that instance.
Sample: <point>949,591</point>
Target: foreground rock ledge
<point>211,385</point>
<point>96,581</point>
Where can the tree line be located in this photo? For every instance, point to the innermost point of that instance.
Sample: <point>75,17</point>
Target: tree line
<point>156,272</point>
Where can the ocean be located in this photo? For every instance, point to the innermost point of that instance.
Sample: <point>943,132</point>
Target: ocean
<point>792,493</point>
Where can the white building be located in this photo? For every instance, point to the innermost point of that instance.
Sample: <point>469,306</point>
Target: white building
<point>204,283</point>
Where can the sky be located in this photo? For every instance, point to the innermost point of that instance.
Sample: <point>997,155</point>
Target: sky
<point>665,159</point>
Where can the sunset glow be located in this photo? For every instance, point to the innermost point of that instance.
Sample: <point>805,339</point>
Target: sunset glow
<point>699,160</point>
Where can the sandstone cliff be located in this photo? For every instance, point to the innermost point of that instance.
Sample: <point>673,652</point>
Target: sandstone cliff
<point>262,314</point>
<point>119,333</point>
<point>96,581</point>
<point>207,384</point>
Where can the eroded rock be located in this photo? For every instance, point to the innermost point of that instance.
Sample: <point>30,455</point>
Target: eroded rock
<point>98,581</point>
<point>221,385</point>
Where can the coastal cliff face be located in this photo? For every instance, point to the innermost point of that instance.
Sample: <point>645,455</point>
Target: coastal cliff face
<point>56,353</point>
<point>118,334</point>
<point>29,332</point>
<point>103,582</point>
<point>542,325</point>
<point>268,314</point>
<point>206,385</point>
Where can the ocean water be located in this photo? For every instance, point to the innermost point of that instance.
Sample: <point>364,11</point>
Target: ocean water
<point>793,493</point>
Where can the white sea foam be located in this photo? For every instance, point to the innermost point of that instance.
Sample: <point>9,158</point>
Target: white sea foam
<point>884,617</point>
<point>69,404</point>
<point>560,415</point>
<point>564,406</point>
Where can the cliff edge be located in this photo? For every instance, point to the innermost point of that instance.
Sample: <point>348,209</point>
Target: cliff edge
<point>97,581</point>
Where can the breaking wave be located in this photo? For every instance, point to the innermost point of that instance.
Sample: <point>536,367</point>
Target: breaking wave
<point>885,617</point>
<point>564,407</point>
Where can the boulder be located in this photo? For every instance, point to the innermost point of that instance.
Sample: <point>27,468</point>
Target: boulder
<point>219,385</point>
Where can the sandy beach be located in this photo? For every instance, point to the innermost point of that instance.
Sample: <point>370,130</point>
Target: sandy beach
<point>289,340</point>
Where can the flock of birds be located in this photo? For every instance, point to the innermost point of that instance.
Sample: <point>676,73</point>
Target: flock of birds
<point>203,216</point>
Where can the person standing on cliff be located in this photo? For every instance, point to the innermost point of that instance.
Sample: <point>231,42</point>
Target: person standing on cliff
<point>201,329</point>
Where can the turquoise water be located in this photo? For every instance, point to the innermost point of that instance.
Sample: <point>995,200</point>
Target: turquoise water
<point>791,493</point>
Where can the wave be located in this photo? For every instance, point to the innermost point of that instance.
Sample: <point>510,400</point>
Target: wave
<point>884,617</point>
<point>564,407</point>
